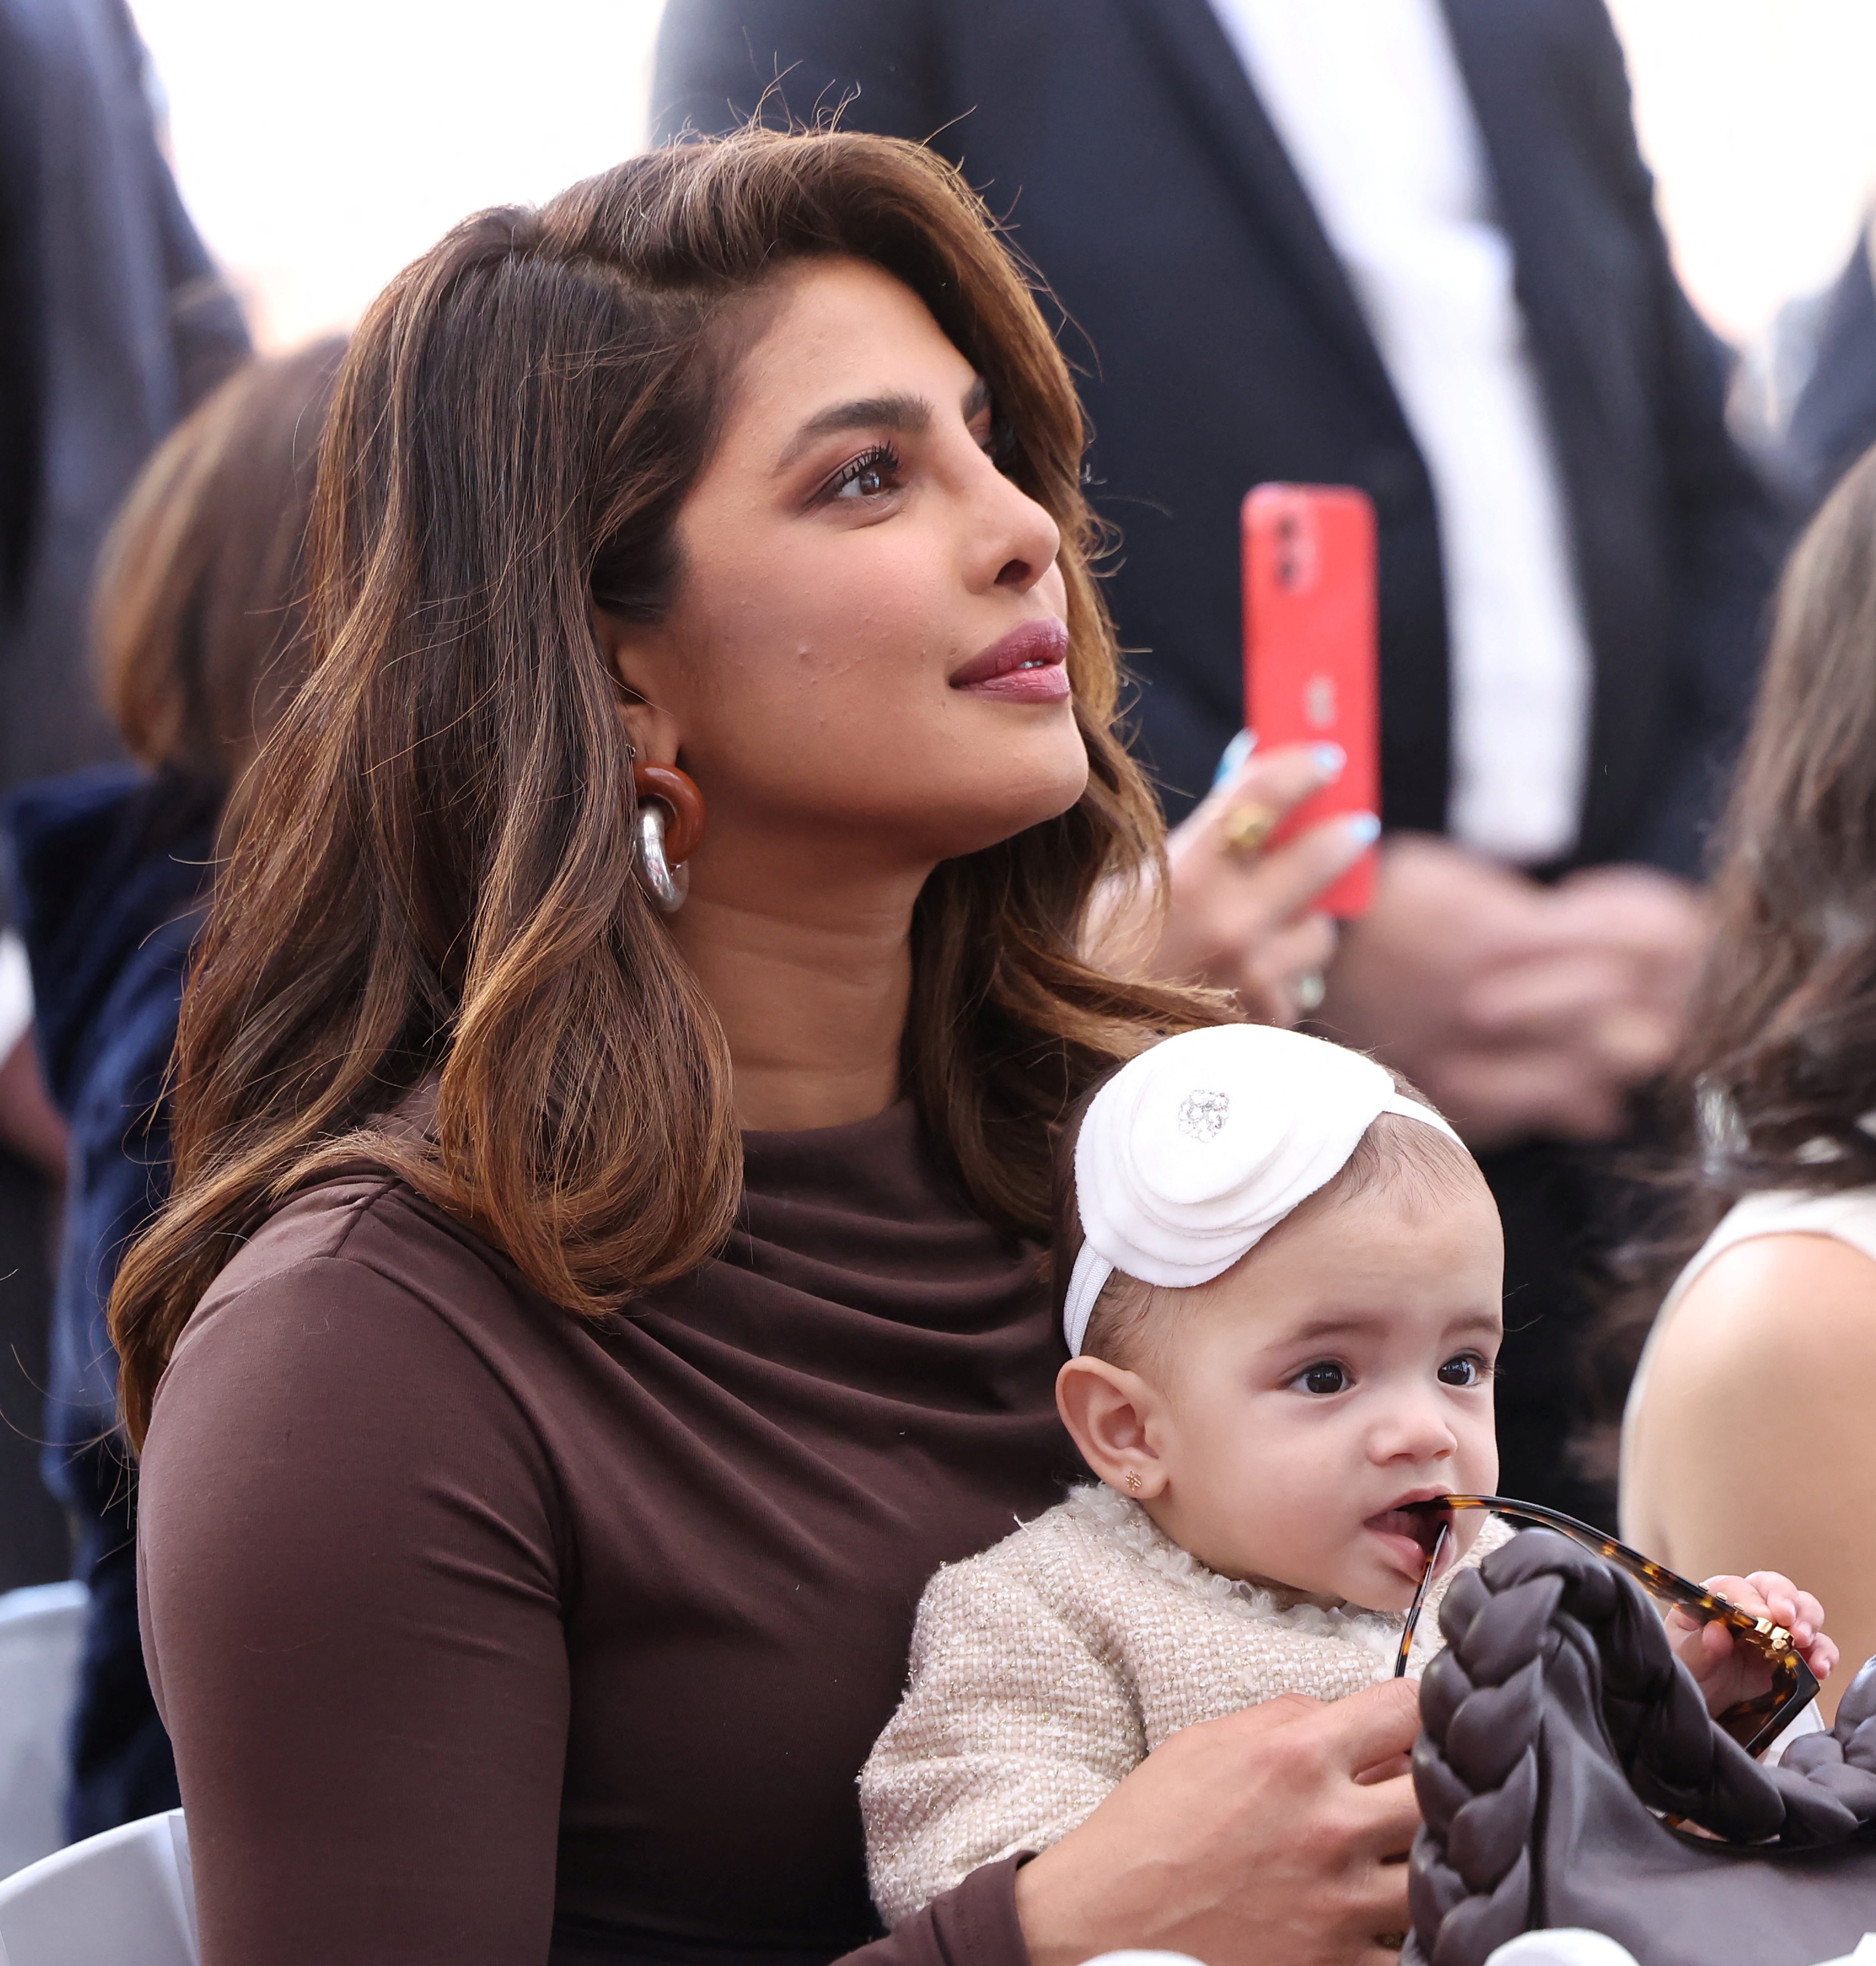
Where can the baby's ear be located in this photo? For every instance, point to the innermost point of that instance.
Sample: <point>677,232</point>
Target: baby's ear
<point>1109,1412</point>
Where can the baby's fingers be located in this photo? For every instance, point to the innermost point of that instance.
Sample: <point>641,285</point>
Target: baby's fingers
<point>1765,1594</point>
<point>1821,1656</point>
<point>1781,1600</point>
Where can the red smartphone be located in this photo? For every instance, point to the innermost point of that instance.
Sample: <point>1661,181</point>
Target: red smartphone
<point>1312,669</point>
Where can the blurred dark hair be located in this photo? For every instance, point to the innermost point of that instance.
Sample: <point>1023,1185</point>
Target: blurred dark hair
<point>1775,1084</point>
<point>198,613</point>
<point>1779,1068</point>
<point>431,864</point>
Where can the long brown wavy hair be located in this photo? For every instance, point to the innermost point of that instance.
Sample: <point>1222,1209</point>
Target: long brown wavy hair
<point>1775,1084</point>
<point>429,872</point>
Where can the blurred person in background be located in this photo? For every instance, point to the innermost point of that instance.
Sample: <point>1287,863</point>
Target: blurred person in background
<point>1749,1426</point>
<point>1833,421</point>
<point>198,635</point>
<point>1411,247</point>
<point>112,323</point>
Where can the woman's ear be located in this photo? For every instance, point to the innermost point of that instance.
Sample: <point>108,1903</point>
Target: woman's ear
<point>1113,1416</point>
<point>626,648</point>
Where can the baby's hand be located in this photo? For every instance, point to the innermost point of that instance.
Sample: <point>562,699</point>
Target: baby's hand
<point>1725,1668</point>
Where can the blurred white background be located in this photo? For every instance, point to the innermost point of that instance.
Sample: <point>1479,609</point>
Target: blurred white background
<point>322,143</point>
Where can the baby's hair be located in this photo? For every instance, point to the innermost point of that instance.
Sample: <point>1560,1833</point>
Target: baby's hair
<point>1418,1165</point>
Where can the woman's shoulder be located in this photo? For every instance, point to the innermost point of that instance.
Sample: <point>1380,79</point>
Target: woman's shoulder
<point>1783,1275</point>
<point>360,1346</point>
<point>1732,1310</point>
<point>362,1234</point>
<point>1746,1348</point>
<point>358,1285</point>
<point>1764,1358</point>
<point>364,1219</point>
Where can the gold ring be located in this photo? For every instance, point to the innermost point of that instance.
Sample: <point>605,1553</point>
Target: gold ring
<point>1307,989</point>
<point>1246,828</point>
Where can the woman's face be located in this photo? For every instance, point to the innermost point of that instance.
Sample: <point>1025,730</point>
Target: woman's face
<point>864,658</point>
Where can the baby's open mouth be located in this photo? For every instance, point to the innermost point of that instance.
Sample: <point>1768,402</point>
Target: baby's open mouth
<point>1421,1522</point>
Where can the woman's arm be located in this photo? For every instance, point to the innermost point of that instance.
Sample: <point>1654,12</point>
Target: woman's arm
<point>351,1617</point>
<point>1755,1447</point>
<point>1245,1842</point>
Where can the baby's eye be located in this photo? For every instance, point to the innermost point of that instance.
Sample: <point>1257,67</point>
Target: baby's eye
<point>1323,1378</point>
<point>1468,1369</point>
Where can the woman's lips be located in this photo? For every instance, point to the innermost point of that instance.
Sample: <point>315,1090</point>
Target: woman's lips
<point>1025,666</point>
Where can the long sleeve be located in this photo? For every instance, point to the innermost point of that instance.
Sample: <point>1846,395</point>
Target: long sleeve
<point>491,1636</point>
<point>350,1572</point>
<point>352,1614</point>
<point>1012,1731</point>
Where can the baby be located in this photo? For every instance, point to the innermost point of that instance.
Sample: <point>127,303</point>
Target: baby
<point>1279,1274</point>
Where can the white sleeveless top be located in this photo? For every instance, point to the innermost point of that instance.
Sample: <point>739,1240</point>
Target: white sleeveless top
<point>1848,1215</point>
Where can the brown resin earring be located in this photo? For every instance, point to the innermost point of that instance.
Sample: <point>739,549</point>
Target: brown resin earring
<point>670,826</point>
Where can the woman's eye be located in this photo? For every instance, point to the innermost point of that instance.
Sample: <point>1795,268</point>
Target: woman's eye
<point>1324,1377</point>
<point>1467,1370</point>
<point>871,475</point>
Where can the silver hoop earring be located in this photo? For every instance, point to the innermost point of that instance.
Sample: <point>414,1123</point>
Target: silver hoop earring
<point>666,885</point>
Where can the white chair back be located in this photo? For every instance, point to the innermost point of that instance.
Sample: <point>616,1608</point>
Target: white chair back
<point>42,1629</point>
<point>127,1898</point>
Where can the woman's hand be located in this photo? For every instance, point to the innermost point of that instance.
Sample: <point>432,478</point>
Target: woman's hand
<point>1246,1842</point>
<point>1725,1668</point>
<point>1519,1009</point>
<point>1238,918</point>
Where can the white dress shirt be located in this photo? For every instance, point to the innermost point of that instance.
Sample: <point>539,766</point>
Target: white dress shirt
<point>1367,98</point>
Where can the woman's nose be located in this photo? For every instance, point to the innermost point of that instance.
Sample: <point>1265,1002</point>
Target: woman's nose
<point>1019,540</point>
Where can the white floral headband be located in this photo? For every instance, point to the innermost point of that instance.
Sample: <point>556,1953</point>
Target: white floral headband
<point>1194,1151</point>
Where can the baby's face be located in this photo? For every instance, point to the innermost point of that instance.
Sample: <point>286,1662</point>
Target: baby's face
<point>1341,1370</point>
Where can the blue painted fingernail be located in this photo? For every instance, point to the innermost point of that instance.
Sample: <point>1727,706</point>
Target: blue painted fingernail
<point>1233,755</point>
<point>1364,828</point>
<point>1329,759</point>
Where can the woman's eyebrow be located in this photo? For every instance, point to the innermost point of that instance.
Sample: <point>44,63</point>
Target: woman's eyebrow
<point>905,415</point>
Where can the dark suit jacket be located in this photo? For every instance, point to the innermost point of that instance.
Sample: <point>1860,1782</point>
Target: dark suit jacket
<point>1834,419</point>
<point>113,323</point>
<point>1222,345</point>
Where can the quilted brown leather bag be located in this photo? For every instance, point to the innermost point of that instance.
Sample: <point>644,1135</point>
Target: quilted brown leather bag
<point>1558,1732</point>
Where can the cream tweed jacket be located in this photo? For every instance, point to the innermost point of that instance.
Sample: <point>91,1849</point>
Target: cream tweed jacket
<point>1045,1670</point>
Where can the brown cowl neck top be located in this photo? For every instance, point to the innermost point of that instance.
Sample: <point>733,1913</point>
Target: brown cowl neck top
<point>490,1636</point>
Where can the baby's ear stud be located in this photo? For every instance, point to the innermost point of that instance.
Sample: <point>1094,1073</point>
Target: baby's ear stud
<point>1134,1480</point>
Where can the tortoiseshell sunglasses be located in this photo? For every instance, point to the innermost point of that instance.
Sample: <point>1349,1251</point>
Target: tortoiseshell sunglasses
<point>1753,1723</point>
